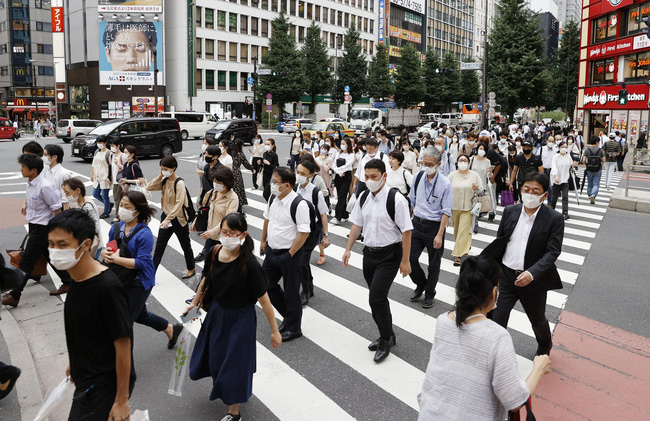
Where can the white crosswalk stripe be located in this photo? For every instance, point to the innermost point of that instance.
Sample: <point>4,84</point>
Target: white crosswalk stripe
<point>400,376</point>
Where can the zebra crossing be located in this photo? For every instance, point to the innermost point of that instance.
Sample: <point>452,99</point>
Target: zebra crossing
<point>337,324</point>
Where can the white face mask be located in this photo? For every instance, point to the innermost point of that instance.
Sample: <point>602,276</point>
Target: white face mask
<point>471,142</point>
<point>454,140</point>
<point>430,170</point>
<point>258,140</point>
<point>550,145</point>
<point>301,179</point>
<point>126,215</point>
<point>64,259</point>
<point>372,155</point>
<point>518,143</point>
<point>267,148</point>
<point>101,146</point>
<point>218,187</point>
<point>46,160</point>
<point>204,147</point>
<point>297,135</point>
<point>513,153</point>
<point>167,174</point>
<point>531,201</point>
<point>463,165</point>
<point>275,189</point>
<point>406,148</point>
<point>72,200</point>
<point>481,152</point>
<point>128,156</point>
<point>230,243</point>
<point>439,148</point>
<point>113,149</point>
<point>374,185</point>
<point>563,151</point>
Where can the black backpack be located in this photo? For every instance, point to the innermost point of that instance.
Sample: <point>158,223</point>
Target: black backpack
<point>594,162</point>
<point>390,202</point>
<point>188,211</point>
<point>315,223</point>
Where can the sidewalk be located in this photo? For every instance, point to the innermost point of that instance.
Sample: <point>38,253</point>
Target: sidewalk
<point>637,198</point>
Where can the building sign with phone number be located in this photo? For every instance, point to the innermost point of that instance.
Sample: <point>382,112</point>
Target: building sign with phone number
<point>415,5</point>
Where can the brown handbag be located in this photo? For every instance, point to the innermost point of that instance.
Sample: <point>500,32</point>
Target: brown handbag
<point>40,268</point>
<point>205,304</point>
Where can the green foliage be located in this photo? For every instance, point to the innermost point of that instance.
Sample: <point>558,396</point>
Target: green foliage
<point>288,80</point>
<point>431,79</point>
<point>449,87</point>
<point>563,82</point>
<point>516,65</point>
<point>380,85</point>
<point>409,86</point>
<point>317,64</point>
<point>470,86</point>
<point>352,67</point>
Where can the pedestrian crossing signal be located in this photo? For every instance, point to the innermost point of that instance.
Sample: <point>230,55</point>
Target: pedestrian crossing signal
<point>622,97</point>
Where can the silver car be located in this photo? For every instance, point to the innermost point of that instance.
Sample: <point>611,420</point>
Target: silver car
<point>69,129</point>
<point>297,123</point>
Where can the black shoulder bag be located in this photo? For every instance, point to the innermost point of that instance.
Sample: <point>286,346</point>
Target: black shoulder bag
<point>126,275</point>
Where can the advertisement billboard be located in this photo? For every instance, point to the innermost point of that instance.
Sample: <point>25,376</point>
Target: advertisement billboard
<point>382,21</point>
<point>414,5</point>
<point>126,53</point>
<point>145,105</point>
<point>140,6</point>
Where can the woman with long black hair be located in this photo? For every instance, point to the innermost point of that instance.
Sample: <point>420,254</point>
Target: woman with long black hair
<point>239,159</point>
<point>233,281</point>
<point>269,162</point>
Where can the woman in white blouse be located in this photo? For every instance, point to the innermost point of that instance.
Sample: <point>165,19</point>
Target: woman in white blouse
<point>560,173</point>
<point>410,156</point>
<point>342,167</point>
<point>225,158</point>
<point>397,176</point>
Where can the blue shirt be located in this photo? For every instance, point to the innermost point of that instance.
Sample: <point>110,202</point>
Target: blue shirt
<point>140,247</point>
<point>431,200</point>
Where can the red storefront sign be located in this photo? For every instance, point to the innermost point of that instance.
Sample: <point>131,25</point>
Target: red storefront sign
<point>57,19</point>
<point>606,97</point>
<point>607,6</point>
<point>601,50</point>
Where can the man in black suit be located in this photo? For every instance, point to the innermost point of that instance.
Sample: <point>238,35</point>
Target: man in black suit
<point>528,243</point>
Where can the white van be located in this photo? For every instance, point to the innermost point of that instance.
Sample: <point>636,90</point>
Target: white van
<point>450,119</point>
<point>192,124</point>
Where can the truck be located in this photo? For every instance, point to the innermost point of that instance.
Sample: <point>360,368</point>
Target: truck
<point>363,118</point>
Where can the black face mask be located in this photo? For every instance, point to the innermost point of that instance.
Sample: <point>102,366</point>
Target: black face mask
<point>209,159</point>
<point>528,151</point>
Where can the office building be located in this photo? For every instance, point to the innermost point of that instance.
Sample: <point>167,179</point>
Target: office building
<point>550,30</point>
<point>450,27</point>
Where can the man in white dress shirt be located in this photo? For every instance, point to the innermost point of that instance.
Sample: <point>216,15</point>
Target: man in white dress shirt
<point>384,216</point>
<point>372,151</point>
<point>53,170</point>
<point>282,243</point>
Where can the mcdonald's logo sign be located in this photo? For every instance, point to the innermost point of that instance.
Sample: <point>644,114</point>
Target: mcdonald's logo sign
<point>20,71</point>
<point>21,102</point>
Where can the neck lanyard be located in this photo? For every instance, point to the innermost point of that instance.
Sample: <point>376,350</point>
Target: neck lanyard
<point>430,194</point>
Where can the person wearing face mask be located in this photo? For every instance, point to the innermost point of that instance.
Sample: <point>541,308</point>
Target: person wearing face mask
<point>447,165</point>
<point>100,176</point>
<point>453,148</point>
<point>560,173</point>
<point>342,167</point>
<point>528,243</point>
<point>225,158</point>
<point>222,201</point>
<point>75,192</point>
<point>211,157</point>
<point>385,145</point>
<point>283,237</point>
<point>233,282</point>
<point>431,200</point>
<point>525,164</point>
<point>512,155</point>
<point>397,176</point>
<point>468,148</point>
<point>98,326</point>
<point>546,154</point>
<point>174,220</point>
<point>384,216</point>
<point>325,161</point>
<point>518,147</point>
<point>464,183</point>
<point>200,163</point>
<point>53,170</point>
<point>42,204</point>
<point>256,160</point>
<point>308,191</point>
<point>503,143</point>
<point>135,243</point>
<point>371,152</point>
<point>411,156</point>
<point>483,167</point>
<point>117,164</point>
<point>132,175</point>
<point>270,163</point>
<point>466,334</point>
<point>309,146</point>
<point>239,160</point>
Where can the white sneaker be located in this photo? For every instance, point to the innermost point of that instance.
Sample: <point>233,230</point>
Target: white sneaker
<point>334,221</point>
<point>343,220</point>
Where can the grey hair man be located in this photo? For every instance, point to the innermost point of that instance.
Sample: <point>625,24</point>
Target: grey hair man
<point>447,164</point>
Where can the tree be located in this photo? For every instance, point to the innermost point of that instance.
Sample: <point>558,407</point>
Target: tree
<point>409,86</point>
<point>287,81</point>
<point>516,67</point>
<point>470,87</point>
<point>352,67</point>
<point>380,85</point>
<point>450,88</point>
<point>431,78</point>
<point>563,72</point>
<point>317,65</point>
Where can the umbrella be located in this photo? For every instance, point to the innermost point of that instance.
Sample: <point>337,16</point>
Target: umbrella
<point>575,185</point>
<point>584,177</point>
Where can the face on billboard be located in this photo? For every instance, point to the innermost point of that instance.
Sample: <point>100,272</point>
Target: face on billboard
<point>129,52</point>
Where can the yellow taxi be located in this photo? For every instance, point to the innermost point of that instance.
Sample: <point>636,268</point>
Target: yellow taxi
<point>329,128</point>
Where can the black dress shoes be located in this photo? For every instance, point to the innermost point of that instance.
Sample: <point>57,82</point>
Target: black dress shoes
<point>427,303</point>
<point>304,298</point>
<point>282,328</point>
<point>383,350</point>
<point>375,344</point>
<point>417,293</point>
<point>288,335</point>
<point>199,257</point>
<point>176,331</point>
<point>12,382</point>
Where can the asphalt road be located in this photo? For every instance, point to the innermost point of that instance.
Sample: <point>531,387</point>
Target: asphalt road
<point>329,374</point>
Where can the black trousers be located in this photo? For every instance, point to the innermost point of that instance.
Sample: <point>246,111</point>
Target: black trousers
<point>6,372</point>
<point>92,403</point>
<point>422,238</point>
<point>293,162</point>
<point>256,169</point>
<point>266,180</point>
<point>138,307</point>
<point>342,184</point>
<point>561,189</point>
<point>534,303</point>
<point>35,246</point>
<point>278,266</point>
<point>379,270</point>
<point>183,235</point>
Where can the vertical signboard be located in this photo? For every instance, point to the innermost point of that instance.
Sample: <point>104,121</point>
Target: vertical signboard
<point>382,21</point>
<point>191,56</point>
<point>57,19</point>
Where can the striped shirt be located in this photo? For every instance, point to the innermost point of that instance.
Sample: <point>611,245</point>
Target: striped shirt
<point>472,374</point>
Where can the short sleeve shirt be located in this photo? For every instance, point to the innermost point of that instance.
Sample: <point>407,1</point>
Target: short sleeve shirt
<point>527,165</point>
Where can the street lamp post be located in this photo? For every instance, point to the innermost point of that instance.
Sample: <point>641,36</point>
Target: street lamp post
<point>485,59</point>
<point>154,52</point>
<point>255,77</point>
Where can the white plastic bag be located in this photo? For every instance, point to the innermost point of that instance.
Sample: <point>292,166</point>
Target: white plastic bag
<point>142,188</point>
<point>351,202</point>
<point>55,398</point>
<point>180,363</point>
<point>140,415</point>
